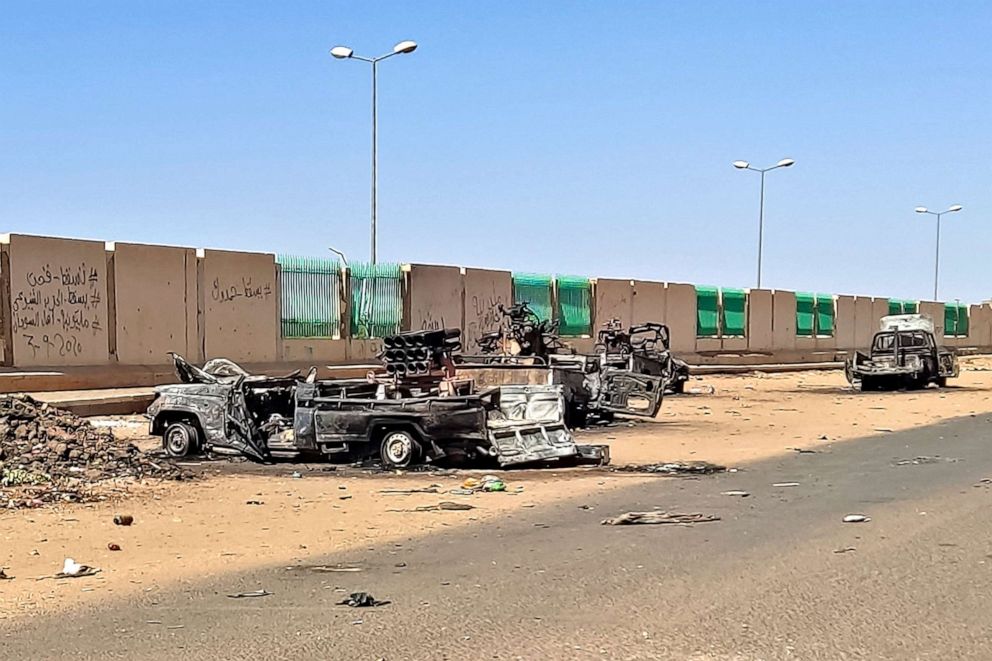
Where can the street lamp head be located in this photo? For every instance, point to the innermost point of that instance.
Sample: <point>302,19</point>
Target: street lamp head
<point>741,165</point>
<point>342,52</point>
<point>405,47</point>
<point>784,163</point>
<point>920,209</point>
<point>956,207</point>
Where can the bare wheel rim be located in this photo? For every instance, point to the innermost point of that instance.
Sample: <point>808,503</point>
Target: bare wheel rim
<point>399,447</point>
<point>178,440</point>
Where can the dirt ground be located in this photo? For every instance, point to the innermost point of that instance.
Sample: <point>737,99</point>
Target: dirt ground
<point>239,516</point>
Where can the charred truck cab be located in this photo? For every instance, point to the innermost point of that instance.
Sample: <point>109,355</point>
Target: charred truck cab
<point>420,411</point>
<point>903,354</point>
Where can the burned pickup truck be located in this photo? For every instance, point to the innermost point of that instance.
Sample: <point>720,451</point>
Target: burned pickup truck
<point>399,418</point>
<point>903,354</point>
<point>643,349</point>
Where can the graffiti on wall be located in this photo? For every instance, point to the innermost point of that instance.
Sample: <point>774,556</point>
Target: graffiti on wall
<point>58,311</point>
<point>482,315</point>
<point>244,288</point>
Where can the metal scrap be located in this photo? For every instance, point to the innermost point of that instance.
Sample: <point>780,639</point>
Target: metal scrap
<point>673,468</point>
<point>658,517</point>
<point>255,593</point>
<point>361,600</point>
<point>444,505</point>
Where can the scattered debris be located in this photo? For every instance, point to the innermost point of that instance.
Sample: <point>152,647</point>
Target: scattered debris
<point>361,600</point>
<point>113,547</point>
<point>4,576</point>
<point>296,475</point>
<point>658,517</point>
<point>254,502</point>
<point>431,489</point>
<point>123,519</point>
<point>884,429</point>
<point>846,549</point>
<point>72,569</point>
<point>701,390</point>
<point>256,593</point>
<point>856,518</point>
<point>803,450</point>
<point>786,484</point>
<point>50,455</point>
<point>444,505</point>
<point>742,494</point>
<point>673,468</point>
<point>924,459</point>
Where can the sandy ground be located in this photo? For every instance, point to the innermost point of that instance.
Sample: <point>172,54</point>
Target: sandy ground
<point>184,532</point>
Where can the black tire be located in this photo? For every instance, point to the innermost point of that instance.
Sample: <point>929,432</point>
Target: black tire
<point>399,449</point>
<point>180,439</point>
<point>941,381</point>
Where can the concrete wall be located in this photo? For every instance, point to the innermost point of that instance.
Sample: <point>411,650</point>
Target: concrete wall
<point>614,300</point>
<point>485,291</point>
<point>784,320</point>
<point>433,297</point>
<point>845,322</point>
<point>239,301</point>
<point>936,312</point>
<point>154,302</point>
<point>680,315</point>
<point>759,321</point>
<point>864,324</point>
<point>649,303</point>
<point>56,311</point>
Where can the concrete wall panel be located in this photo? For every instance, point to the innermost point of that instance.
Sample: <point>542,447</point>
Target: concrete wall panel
<point>153,307</point>
<point>864,323</point>
<point>936,312</point>
<point>319,351</point>
<point>759,320</point>
<point>680,315</point>
<point>980,326</point>
<point>614,300</point>
<point>485,291</point>
<point>845,322</point>
<point>648,302</point>
<point>240,306</point>
<point>434,297</point>
<point>58,301</point>
<point>879,309</point>
<point>784,320</point>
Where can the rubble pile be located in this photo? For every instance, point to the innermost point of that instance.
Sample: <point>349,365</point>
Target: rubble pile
<point>50,455</point>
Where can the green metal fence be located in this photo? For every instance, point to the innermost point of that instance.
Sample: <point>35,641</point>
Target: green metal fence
<point>733,312</point>
<point>574,305</point>
<point>310,292</point>
<point>815,314</point>
<point>955,320</point>
<point>825,311</point>
<point>376,300</point>
<point>707,311</point>
<point>535,290</point>
<point>900,306</point>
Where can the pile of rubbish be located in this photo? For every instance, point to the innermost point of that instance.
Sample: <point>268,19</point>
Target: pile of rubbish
<point>49,455</point>
<point>673,468</point>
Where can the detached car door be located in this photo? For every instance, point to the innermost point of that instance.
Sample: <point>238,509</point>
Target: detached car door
<point>633,394</point>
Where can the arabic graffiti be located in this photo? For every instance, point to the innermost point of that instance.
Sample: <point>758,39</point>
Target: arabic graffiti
<point>58,310</point>
<point>244,288</point>
<point>483,315</point>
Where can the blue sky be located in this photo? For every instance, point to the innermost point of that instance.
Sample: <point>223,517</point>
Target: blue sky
<point>565,137</point>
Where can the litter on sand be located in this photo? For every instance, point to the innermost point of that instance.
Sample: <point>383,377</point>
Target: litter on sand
<point>804,450</point>
<point>673,468</point>
<point>856,518</point>
<point>361,600</point>
<point>786,484</point>
<point>402,492</point>
<point>255,593</point>
<point>741,494</point>
<point>846,549</point>
<point>72,569</point>
<point>656,518</point>
<point>444,505</point>
<point>4,577</point>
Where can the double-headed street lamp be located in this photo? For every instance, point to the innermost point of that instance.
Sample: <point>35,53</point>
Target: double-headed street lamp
<point>744,165</point>
<point>345,53</point>
<point>936,259</point>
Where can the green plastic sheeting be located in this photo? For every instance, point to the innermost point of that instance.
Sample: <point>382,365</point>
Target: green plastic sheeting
<point>575,305</point>
<point>955,320</point>
<point>535,290</point>
<point>805,314</point>
<point>707,312</point>
<point>733,321</point>
<point>900,306</point>
<point>376,300</point>
<point>824,315</point>
<point>310,290</point>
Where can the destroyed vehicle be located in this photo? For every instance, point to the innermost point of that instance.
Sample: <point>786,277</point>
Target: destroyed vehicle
<point>903,354</point>
<point>643,349</point>
<point>358,419</point>
<point>595,389</point>
<point>521,335</point>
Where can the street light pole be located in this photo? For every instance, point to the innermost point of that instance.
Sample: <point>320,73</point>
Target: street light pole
<point>744,165</point>
<point>345,53</point>
<point>936,257</point>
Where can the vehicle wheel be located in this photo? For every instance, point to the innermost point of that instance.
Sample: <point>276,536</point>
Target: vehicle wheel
<point>399,449</point>
<point>678,387</point>
<point>941,382</point>
<point>180,439</point>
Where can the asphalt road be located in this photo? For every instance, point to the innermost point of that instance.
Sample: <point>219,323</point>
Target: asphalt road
<point>765,582</point>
